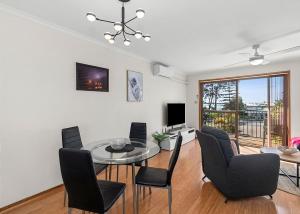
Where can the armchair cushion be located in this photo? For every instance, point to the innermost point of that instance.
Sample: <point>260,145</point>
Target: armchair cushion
<point>223,140</point>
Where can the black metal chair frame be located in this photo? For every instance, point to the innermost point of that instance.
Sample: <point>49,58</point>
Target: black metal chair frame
<point>123,193</point>
<point>106,172</point>
<point>168,186</point>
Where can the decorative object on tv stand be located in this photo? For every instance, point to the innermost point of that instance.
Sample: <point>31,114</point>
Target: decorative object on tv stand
<point>134,86</point>
<point>159,137</point>
<point>91,78</point>
<point>188,135</point>
<point>122,28</point>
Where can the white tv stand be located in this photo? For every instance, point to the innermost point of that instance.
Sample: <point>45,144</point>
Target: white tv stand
<point>188,134</point>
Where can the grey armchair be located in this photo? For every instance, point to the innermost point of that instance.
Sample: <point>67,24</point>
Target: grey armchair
<point>238,176</point>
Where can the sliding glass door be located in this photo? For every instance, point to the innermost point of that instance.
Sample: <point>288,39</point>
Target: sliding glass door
<point>253,110</point>
<point>253,94</point>
<point>278,98</point>
<point>219,106</point>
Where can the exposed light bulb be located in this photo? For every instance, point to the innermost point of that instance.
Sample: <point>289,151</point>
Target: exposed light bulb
<point>127,42</point>
<point>138,34</point>
<point>147,38</point>
<point>91,17</point>
<point>140,13</point>
<point>111,41</point>
<point>107,35</point>
<point>118,26</point>
<point>256,62</point>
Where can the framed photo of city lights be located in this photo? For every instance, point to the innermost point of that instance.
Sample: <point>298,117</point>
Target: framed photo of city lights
<point>91,78</point>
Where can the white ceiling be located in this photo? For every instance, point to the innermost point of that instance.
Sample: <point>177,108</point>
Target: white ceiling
<point>192,35</point>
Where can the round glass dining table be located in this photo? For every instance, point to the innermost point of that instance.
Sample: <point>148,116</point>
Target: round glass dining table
<point>142,150</point>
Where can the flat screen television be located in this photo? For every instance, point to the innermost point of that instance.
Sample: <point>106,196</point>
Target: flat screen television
<point>91,78</point>
<point>175,114</point>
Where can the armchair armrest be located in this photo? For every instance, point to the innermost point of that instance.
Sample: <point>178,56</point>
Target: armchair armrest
<point>251,175</point>
<point>236,144</point>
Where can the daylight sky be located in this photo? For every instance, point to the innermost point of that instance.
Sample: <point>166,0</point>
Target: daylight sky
<point>253,90</point>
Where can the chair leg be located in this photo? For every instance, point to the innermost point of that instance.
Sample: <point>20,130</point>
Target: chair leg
<point>137,197</point>
<point>127,171</point>
<point>69,210</point>
<point>65,197</point>
<point>170,198</point>
<point>106,173</point>
<point>146,163</point>
<point>134,189</point>
<point>117,173</point>
<point>144,192</point>
<point>124,208</point>
<point>109,176</point>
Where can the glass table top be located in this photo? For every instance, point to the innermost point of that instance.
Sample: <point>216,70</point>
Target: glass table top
<point>142,150</point>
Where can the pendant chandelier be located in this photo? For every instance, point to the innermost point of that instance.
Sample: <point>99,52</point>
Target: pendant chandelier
<point>122,28</point>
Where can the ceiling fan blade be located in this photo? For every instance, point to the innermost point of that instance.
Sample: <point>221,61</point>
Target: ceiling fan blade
<point>285,51</point>
<point>266,62</point>
<point>245,54</point>
<point>234,64</point>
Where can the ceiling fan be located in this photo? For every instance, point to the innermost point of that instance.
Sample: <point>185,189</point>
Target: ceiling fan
<point>260,59</point>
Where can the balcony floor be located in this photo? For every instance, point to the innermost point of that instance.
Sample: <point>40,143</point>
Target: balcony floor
<point>251,141</point>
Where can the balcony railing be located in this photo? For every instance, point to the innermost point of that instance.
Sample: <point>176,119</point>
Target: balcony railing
<point>252,124</point>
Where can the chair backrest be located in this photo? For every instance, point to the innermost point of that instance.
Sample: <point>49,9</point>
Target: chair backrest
<point>71,138</point>
<point>138,131</point>
<point>213,160</point>
<point>80,180</point>
<point>223,140</point>
<point>174,158</point>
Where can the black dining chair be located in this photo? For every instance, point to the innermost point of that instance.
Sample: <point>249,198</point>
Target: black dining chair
<point>157,177</point>
<point>138,131</point>
<point>85,192</point>
<point>71,139</point>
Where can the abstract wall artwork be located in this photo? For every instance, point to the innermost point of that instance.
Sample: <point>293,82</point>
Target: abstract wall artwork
<point>134,86</point>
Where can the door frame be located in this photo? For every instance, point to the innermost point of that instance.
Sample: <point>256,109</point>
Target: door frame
<point>287,96</point>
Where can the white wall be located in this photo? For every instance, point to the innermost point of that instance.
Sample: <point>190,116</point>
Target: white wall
<point>293,66</point>
<point>38,99</point>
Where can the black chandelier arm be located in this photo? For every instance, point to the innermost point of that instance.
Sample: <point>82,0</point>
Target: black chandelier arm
<point>131,34</point>
<point>124,35</point>
<point>117,34</point>
<point>130,28</point>
<point>103,20</point>
<point>130,20</point>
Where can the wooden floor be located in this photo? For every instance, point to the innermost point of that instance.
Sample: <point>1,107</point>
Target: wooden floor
<point>190,194</point>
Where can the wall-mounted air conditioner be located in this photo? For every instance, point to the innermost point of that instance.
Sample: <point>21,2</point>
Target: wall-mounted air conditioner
<point>163,70</point>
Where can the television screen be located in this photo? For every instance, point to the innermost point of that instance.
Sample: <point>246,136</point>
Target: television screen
<point>176,114</point>
<point>91,78</point>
